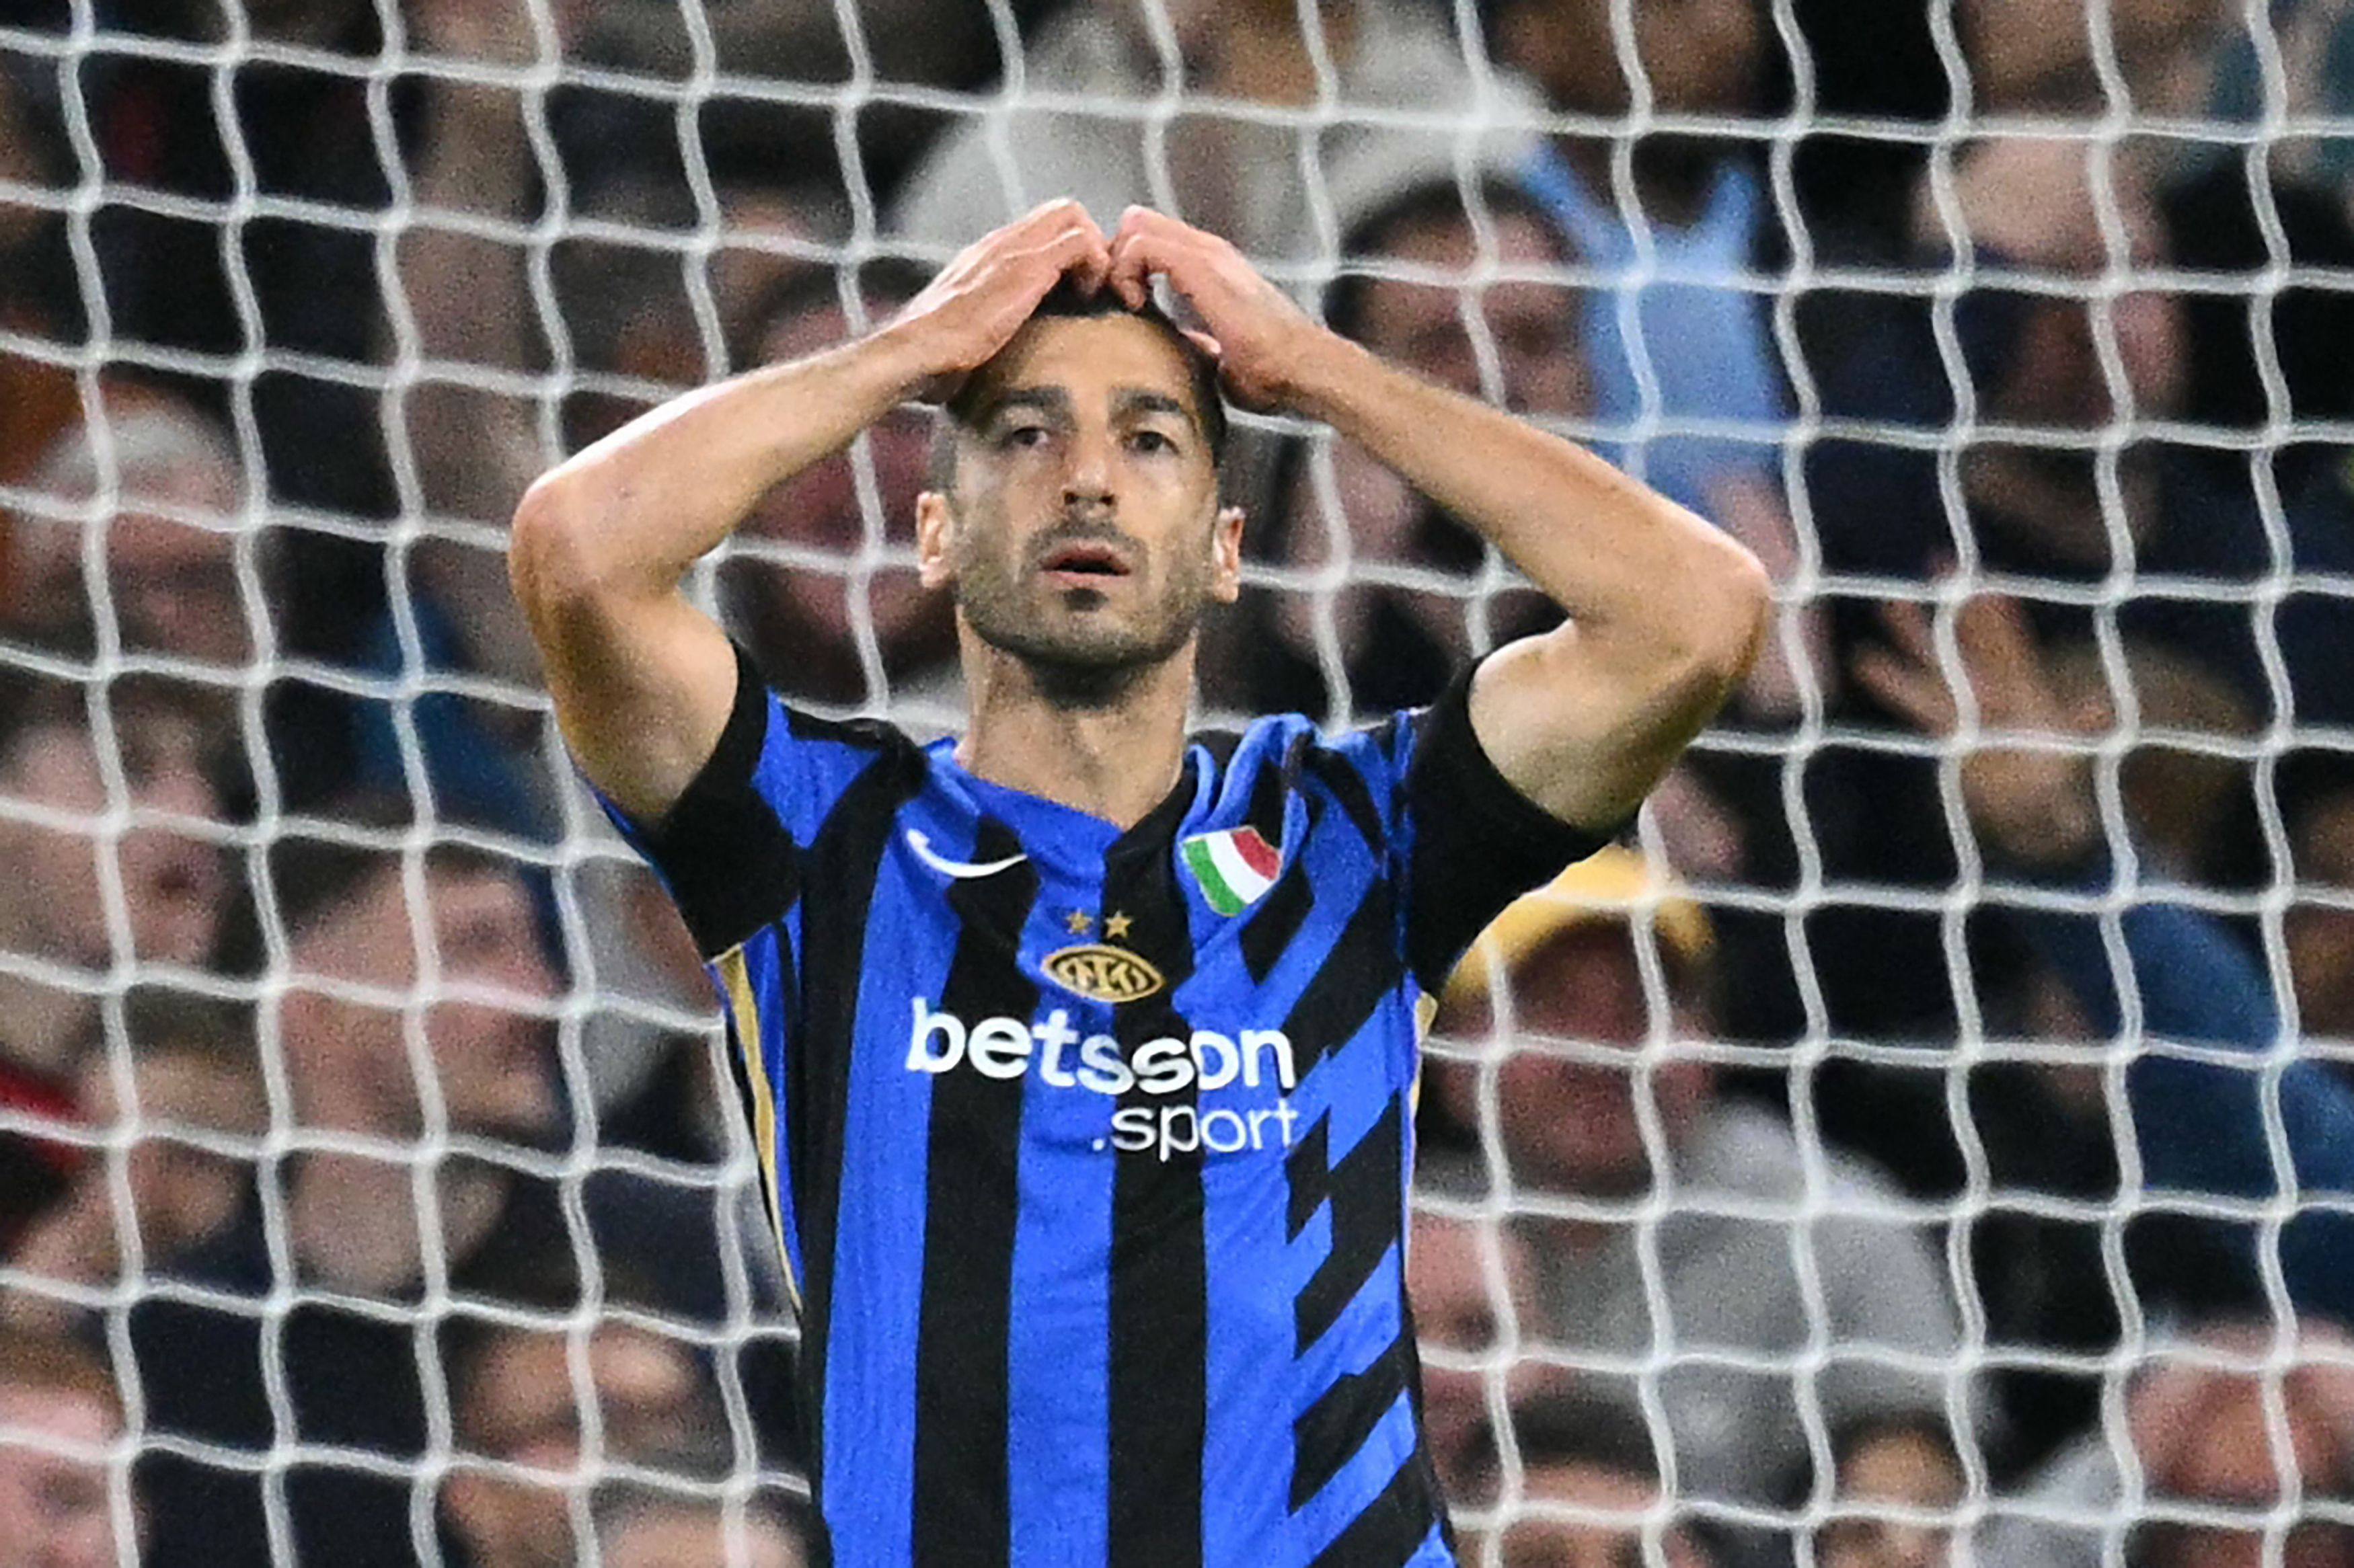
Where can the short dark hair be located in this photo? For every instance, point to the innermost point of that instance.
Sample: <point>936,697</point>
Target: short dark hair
<point>1574,1429</point>
<point>1431,204</point>
<point>314,876</point>
<point>1066,301</point>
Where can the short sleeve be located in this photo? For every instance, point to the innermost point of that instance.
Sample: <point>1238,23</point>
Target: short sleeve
<point>729,850</point>
<point>1472,841</point>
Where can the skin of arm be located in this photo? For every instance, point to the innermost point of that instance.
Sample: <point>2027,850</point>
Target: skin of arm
<point>642,679</point>
<point>1666,613</point>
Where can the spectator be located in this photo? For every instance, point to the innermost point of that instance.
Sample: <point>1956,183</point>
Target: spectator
<point>1681,332</point>
<point>2047,505</point>
<point>2200,1126</point>
<point>1589,1493</point>
<point>516,1402</point>
<point>347,1348</point>
<point>638,1526</point>
<point>194,1075</point>
<point>1238,179</point>
<point>1896,1487</point>
<point>55,907</point>
<point>176,490</point>
<point>803,617</point>
<point>1871,60</point>
<point>1397,639</point>
<point>59,1416</point>
<point>1473,1286</point>
<point>2199,1424</point>
<point>1554,1011</point>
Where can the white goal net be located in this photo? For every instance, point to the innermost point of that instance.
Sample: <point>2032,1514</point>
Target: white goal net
<point>1928,1139</point>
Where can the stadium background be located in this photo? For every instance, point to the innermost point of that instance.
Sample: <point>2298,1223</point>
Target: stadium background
<point>1929,1143</point>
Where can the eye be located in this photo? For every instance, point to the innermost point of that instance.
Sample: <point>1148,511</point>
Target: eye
<point>1154,442</point>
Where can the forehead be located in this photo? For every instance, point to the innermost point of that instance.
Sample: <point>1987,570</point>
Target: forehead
<point>1089,358</point>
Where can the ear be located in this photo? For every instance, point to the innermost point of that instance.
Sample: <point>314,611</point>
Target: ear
<point>935,524</point>
<point>1227,556</point>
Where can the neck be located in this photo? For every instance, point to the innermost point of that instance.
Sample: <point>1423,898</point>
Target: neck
<point>384,1255</point>
<point>1110,747</point>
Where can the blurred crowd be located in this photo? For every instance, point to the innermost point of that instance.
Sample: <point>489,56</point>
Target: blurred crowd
<point>1931,1141</point>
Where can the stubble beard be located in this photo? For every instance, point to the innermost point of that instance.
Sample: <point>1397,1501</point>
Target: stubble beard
<point>1091,664</point>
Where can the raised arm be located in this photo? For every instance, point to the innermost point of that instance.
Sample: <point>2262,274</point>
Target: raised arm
<point>1665,611</point>
<point>642,679</point>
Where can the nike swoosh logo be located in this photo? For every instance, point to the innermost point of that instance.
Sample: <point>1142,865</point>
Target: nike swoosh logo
<point>958,868</point>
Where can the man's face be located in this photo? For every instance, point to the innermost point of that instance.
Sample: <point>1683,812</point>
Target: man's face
<point>1531,324</point>
<point>492,1056</point>
<point>173,584</point>
<point>173,882</point>
<point>1458,1325</point>
<point>1904,1468</point>
<point>53,1509</point>
<point>2060,378</point>
<point>1084,534</point>
<point>819,508</point>
<point>1700,57</point>
<point>521,1408</point>
<point>1566,1088</point>
<point>2227,1463</point>
<point>180,1192</point>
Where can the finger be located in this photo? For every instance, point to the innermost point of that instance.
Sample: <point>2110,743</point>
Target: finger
<point>1908,627</point>
<point>1080,253</point>
<point>1910,690</point>
<point>1205,343</point>
<point>1992,627</point>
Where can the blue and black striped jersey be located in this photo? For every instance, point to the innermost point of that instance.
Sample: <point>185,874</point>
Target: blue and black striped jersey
<point>1088,1149</point>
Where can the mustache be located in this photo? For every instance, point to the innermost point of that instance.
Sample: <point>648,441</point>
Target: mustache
<point>1091,526</point>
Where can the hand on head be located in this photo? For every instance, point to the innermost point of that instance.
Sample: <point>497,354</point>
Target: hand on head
<point>982,297</point>
<point>1255,332</point>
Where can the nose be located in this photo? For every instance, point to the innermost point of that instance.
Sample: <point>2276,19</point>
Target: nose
<point>1088,480</point>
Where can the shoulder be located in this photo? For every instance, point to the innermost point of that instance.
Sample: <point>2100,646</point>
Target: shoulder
<point>1357,770</point>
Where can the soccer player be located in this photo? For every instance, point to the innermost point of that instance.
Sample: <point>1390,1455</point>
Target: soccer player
<point>1079,1054</point>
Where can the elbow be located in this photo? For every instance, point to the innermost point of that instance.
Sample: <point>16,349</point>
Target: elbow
<point>1730,614</point>
<point>549,562</point>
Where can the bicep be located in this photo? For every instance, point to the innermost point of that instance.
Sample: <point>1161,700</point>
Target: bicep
<point>1478,841</point>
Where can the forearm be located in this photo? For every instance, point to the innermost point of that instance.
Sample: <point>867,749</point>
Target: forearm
<point>637,509</point>
<point>1599,543</point>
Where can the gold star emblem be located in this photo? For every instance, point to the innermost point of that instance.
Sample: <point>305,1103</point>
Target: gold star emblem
<point>1116,927</point>
<point>1079,921</point>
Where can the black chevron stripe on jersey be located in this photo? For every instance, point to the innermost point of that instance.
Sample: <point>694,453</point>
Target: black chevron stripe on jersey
<point>1363,1191</point>
<point>1330,1432</point>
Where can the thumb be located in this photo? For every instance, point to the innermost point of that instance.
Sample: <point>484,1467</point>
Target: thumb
<point>1205,343</point>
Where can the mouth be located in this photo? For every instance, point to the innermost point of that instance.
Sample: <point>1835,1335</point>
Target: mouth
<point>1085,562</point>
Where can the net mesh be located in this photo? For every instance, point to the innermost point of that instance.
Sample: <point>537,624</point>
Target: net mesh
<point>1979,1077</point>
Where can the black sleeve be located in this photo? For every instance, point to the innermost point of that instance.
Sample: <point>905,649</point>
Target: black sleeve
<point>730,865</point>
<point>1478,843</point>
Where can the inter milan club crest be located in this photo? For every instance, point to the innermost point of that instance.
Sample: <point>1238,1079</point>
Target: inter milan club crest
<point>1236,867</point>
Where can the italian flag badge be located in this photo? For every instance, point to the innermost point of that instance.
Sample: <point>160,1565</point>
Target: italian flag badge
<point>1234,867</point>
